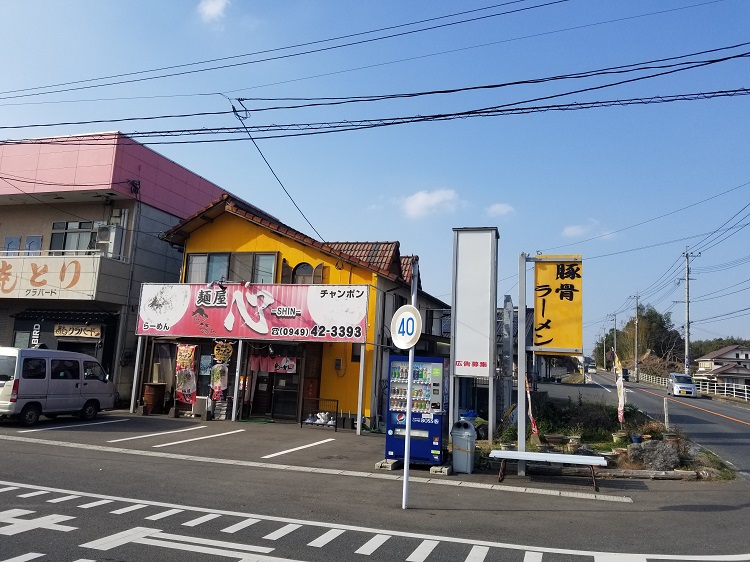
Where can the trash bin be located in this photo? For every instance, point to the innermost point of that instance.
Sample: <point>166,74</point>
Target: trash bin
<point>463,437</point>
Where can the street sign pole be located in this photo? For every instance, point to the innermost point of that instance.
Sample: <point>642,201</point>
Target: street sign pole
<point>406,327</point>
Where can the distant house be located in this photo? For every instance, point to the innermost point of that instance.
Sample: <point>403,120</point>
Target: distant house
<point>728,365</point>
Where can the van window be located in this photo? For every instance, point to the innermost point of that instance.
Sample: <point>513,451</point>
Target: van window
<point>34,368</point>
<point>65,369</point>
<point>93,371</point>
<point>7,367</point>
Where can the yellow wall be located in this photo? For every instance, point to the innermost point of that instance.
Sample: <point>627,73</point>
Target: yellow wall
<point>229,233</point>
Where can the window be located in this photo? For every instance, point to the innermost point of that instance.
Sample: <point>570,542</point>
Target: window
<point>11,245</point>
<point>93,371</point>
<point>235,267</point>
<point>34,368</point>
<point>33,245</point>
<point>303,274</point>
<point>72,236</point>
<point>65,369</point>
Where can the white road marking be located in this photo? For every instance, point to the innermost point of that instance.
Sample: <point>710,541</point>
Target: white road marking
<point>477,554</point>
<point>212,542</point>
<point>532,557</point>
<point>32,494</point>
<point>285,530</point>
<point>24,557</point>
<point>200,520</point>
<point>94,504</point>
<point>63,499</point>
<point>76,425</point>
<point>8,488</point>
<point>128,509</point>
<point>372,545</point>
<point>239,526</point>
<point>620,558</point>
<point>298,448</point>
<point>84,560</point>
<point>15,525</point>
<point>604,387</point>
<point>197,439</point>
<point>119,539</point>
<point>326,537</point>
<point>421,553</point>
<point>157,434</point>
<point>308,470</point>
<point>383,533</point>
<point>164,514</point>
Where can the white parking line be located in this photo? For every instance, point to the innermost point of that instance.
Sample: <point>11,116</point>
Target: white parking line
<point>94,504</point>
<point>32,494</point>
<point>63,499</point>
<point>421,553</point>
<point>164,514</point>
<point>297,448</point>
<point>71,425</point>
<point>156,434</point>
<point>196,439</point>
<point>239,526</point>
<point>24,557</point>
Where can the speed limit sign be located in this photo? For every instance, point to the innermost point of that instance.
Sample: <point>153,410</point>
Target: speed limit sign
<point>406,327</point>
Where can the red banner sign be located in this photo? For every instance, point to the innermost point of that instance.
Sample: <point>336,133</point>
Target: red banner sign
<point>324,313</point>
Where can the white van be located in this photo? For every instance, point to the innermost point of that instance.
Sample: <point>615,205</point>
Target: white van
<point>49,382</point>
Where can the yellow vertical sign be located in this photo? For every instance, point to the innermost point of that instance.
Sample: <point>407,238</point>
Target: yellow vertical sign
<point>558,310</point>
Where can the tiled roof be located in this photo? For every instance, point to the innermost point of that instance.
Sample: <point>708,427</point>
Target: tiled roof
<point>384,255</point>
<point>719,352</point>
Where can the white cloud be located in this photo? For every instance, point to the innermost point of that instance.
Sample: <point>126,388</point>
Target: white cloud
<point>499,210</point>
<point>424,203</point>
<point>576,230</point>
<point>212,10</point>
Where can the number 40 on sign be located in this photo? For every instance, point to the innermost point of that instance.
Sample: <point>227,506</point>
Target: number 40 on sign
<point>406,327</point>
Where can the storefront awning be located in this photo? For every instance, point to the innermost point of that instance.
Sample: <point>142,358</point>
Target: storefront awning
<point>90,316</point>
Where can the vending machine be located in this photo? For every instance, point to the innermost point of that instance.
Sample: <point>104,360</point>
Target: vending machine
<point>429,412</point>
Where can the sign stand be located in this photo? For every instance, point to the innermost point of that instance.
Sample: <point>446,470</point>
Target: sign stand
<point>406,327</point>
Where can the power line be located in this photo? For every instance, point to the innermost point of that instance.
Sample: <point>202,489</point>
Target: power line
<point>279,57</point>
<point>265,51</point>
<point>236,113</point>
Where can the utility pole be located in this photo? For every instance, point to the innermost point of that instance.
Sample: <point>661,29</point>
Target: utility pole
<point>637,376</point>
<point>687,255</point>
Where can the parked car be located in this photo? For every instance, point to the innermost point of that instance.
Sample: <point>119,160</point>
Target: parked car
<point>680,384</point>
<point>35,382</point>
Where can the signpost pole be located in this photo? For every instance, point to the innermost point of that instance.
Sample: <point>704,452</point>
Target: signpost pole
<point>521,398</point>
<point>136,373</point>
<point>407,443</point>
<point>360,388</point>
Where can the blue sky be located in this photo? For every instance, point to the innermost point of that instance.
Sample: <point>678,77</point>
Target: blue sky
<point>630,187</point>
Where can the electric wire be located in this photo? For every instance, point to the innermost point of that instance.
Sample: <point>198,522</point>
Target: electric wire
<point>280,57</point>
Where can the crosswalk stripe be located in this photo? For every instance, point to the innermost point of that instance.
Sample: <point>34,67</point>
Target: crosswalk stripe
<point>477,554</point>
<point>372,545</point>
<point>239,526</point>
<point>32,494</point>
<point>421,553</point>
<point>24,557</point>
<point>164,514</point>
<point>128,509</point>
<point>94,504</point>
<point>202,519</point>
<point>285,530</point>
<point>325,538</point>
<point>63,499</point>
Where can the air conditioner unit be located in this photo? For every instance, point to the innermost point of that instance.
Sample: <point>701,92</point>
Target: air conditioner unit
<point>109,240</point>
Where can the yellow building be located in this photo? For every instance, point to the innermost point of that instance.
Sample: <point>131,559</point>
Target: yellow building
<point>235,252</point>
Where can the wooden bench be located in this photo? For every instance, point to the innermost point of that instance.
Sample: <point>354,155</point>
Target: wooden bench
<point>587,460</point>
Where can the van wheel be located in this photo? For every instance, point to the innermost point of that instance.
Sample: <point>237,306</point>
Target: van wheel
<point>29,415</point>
<point>89,410</point>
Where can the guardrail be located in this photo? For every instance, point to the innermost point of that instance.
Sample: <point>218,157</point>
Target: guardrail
<point>724,389</point>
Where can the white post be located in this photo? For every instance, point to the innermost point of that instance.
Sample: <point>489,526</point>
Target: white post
<point>136,374</point>
<point>666,413</point>
<point>407,437</point>
<point>361,388</point>
<point>236,381</point>
<point>521,398</point>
